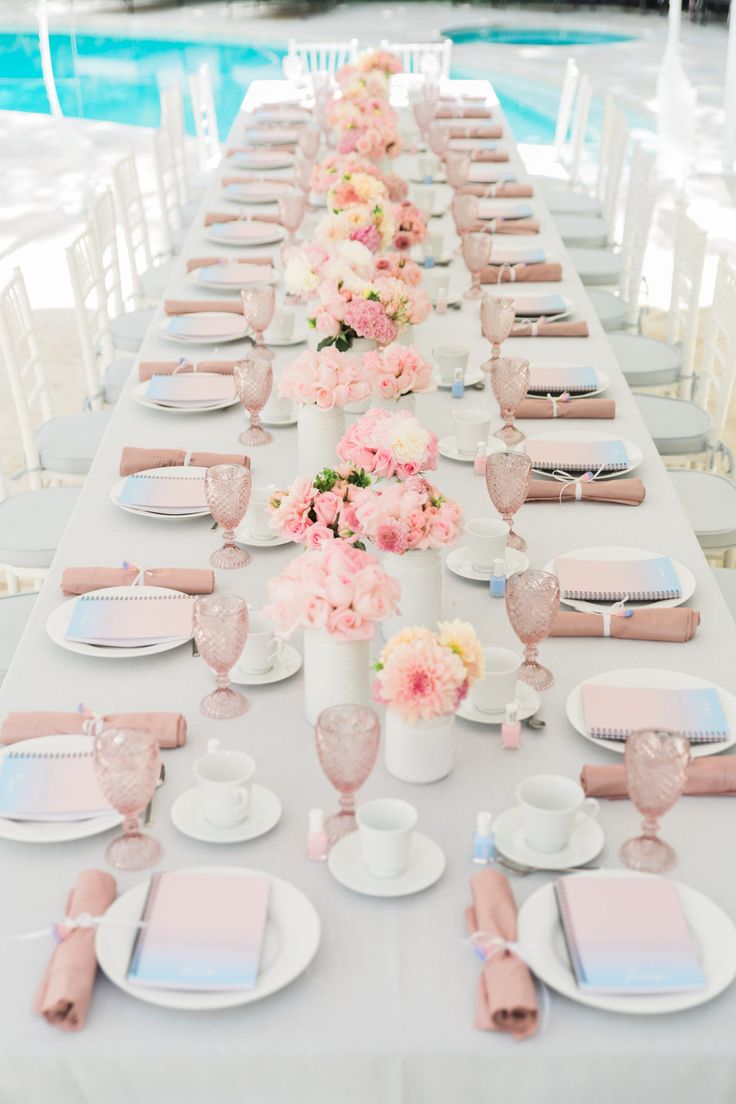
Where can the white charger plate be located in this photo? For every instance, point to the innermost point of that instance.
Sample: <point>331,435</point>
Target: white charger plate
<point>59,831</point>
<point>235,328</point>
<point>270,233</point>
<point>604,381</point>
<point>139,394</point>
<point>459,563</point>
<point>58,622</point>
<point>271,136</point>
<point>265,160</point>
<point>117,489</point>
<point>292,936</point>
<point>615,554</point>
<point>541,935</point>
<point>633,451</point>
<point>657,678</point>
<point>266,276</point>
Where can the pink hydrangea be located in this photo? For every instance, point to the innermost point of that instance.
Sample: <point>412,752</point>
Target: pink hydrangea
<point>369,319</point>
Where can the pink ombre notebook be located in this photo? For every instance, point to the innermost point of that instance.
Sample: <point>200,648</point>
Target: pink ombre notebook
<point>222,324</point>
<point>162,493</point>
<point>483,172</point>
<point>131,620</point>
<point>235,274</point>
<point>504,209</point>
<point>538,306</point>
<point>628,935</point>
<point>577,456</point>
<point>612,580</point>
<point>191,389</point>
<point>202,931</point>
<point>50,786</point>
<point>547,379</point>
<point>612,712</point>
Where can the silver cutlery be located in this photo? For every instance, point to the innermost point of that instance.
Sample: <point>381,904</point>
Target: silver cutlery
<point>195,649</point>
<point>536,722</point>
<point>148,815</point>
<point>522,869</point>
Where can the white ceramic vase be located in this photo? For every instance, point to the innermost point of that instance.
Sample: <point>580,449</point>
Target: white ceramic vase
<point>318,434</point>
<point>362,345</point>
<point>420,576</point>
<point>336,672</point>
<point>419,752</point>
<point>406,402</point>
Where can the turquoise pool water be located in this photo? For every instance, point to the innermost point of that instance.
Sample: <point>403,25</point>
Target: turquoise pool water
<point>534,36</point>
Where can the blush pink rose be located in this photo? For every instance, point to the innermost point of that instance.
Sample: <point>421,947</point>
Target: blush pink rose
<point>326,506</point>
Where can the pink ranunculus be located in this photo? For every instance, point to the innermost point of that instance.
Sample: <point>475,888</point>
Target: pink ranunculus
<point>347,624</point>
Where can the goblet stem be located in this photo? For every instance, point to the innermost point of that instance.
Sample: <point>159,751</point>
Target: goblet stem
<point>650,827</point>
<point>347,804</point>
<point>513,540</point>
<point>223,680</point>
<point>474,291</point>
<point>131,825</point>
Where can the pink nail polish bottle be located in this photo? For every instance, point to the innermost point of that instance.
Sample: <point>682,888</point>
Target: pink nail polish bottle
<point>479,462</point>
<point>317,843</point>
<point>511,729</point>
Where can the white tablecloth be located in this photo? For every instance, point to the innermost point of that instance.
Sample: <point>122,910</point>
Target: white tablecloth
<point>385,1012</point>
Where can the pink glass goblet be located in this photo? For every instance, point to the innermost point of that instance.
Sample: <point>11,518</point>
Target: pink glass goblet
<point>127,766</point>
<point>292,207</point>
<point>656,769</point>
<point>510,383</point>
<point>220,633</point>
<point>347,746</point>
<point>497,317</point>
<point>464,210</point>
<point>303,174</point>
<point>508,475</point>
<point>259,304</point>
<point>439,138</point>
<point>532,602</point>
<point>253,382</point>
<point>227,491</point>
<point>476,251</point>
<point>423,115</point>
<point>308,142</point>
<point>458,169</point>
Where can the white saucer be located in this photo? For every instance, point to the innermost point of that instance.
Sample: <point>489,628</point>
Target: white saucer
<point>585,843</point>
<point>244,536</point>
<point>417,255</point>
<point>265,812</point>
<point>279,342</point>
<point>276,423</point>
<point>472,376</point>
<point>458,561</point>
<point>447,447</point>
<point>426,866</point>
<point>286,665</point>
<point>528,702</point>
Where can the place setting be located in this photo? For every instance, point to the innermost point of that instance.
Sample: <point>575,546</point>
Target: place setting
<point>224,275</point>
<point>485,555</point>
<point>264,160</point>
<point>489,698</point>
<point>452,360</point>
<point>266,657</point>
<point>617,579</point>
<point>122,622</point>
<point>566,455</point>
<point>187,392</point>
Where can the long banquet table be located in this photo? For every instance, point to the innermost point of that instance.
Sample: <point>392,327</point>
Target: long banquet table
<point>384,1014</point>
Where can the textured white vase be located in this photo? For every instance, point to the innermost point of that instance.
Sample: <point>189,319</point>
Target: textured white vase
<point>362,345</point>
<point>420,601</point>
<point>406,336</point>
<point>336,672</point>
<point>406,402</point>
<point>419,752</point>
<point>318,434</point>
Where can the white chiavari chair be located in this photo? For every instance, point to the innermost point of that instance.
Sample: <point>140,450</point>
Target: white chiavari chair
<point>709,501</point>
<point>726,579</point>
<point>603,198</point>
<point>413,55</point>
<point>564,111</point>
<point>128,327</point>
<point>205,118</point>
<point>316,57</point>
<point>561,168</point>
<point>153,282</point>
<point>171,103</point>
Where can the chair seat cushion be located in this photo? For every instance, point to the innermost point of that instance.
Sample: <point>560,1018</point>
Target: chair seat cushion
<point>68,444</point>
<point>570,203</point>
<point>726,579</point>
<point>31,525</point>
<point>610,308</point>
<point>597,266</point>
<point>677,426</point>
<point>583,230</point>
<point>645,361</point>
<point>153,282</point>
<point>116,377</point>
<point>14,613</point>
<point>710,504</point>
<point>128,330</point>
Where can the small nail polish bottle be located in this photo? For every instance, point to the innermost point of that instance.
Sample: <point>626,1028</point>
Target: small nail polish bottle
<point>498,579</point>
<point>484,848</point>
<point>511,729</point>
<point>317,844</point>
<point>458,384</point>
<point>479,463</point>
<point>428,261</point>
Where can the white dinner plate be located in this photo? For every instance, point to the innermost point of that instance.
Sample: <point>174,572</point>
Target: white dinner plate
<point>58,622</point>
<point>257,233</point>
<point>618,554</point>
<point>540,934</point>
<point>652,678</point>
<point>633,452</point>
<point>290,943</point>
<point>568,309</point>
<point>472,376</point>
<point>59,831</point>
<point>206,276</point>
<point>271,136</point>
<point>191,472</point>
<point>604,381</point>
<point>265,160</point>
<point>234,328</point>
<point>255,191</point>
<point>139,394</point>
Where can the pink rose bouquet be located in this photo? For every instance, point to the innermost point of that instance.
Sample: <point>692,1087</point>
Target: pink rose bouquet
<point>311,267</point>
<point>325,379</point>
<point>331,168</point>
<point>353,82</point>
<point>380,138</point>
<point>389,445</point>
<point>382,60</point>
<point>398,370</point>
<point>379,310</point>
<point>336,587</point>
<point>410,226</point>
<point>371,224</point>
<point>407,517</point>
<point>353,189</point>
<point>399,267</point>
<point>313,511</point>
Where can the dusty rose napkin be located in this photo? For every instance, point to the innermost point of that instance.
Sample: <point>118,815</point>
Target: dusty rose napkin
<point>200,262</point>
<point>65,991</point>
<point>508,226</point>
<point>623,492</point>
<point>134,460</point>
<point>490,130</point>
<point>550,329</point>
<point>710,776</point>
<point>462,111</point>
<point>505,189</point>
<point>286,147</point>
<point>199,306</point>
<point>170,729</point>
<point>579,408</point>
<point>230,216</point>
<point>676,625</point>
<point>190,580</point>
<point>522,274</point>
<point>251,178</point>
<point>489,155</point>
<point>505,999</point>
<point>149,368</point>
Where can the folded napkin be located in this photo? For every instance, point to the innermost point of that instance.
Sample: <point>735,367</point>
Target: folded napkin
<point>504,189</point>
<point>522,274</point>
<point>201,262</point>
<point>508,226</point>
<point>250,178</point>
<point>623,492</point>
<point>229,216</point>
<point>170,729</point>
<point>65,991</point>
<point>712,776</point>
<point>199,306</point>
<point>489,130</point>
<point>134,460</point>
<point>505,1000</point>
<point>462,111</point>
<point>285,147</point>
<point>149,368</point>
<point>676,625</point>
<point>190,580</point>
<point>580,408</point>
<point>550,329</point>
<point>489,155</point>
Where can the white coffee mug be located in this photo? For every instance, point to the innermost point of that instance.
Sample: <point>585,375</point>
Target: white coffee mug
<point>551,808</point>
<point>258,518</point>
<point>497,688</point>
<point>471,426</point>
<point>224,781</point>
<point>451,358</point>
<point>487,539</point>
<point>386,827</point>
<point>437,282</point>
<point>282,325</point>
<point>262,647</point>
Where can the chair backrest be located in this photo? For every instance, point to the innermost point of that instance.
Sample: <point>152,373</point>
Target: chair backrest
<point>132,219</point>
<point>91,307</point>
<point>641,198</point>
<point>323,56</point>
<point>691,242</point>
<point>172,117</point>
<point>24,370</point>
<point>205,117</point>
<point>718,362</point>
<point>564,111</point>
<point>167,185</point>
<point>104,223</point>
<point>579,127</point>
<point>412,55</point>
<point>611,161</point>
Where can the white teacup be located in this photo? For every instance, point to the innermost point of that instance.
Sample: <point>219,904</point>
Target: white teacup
<point>497,688</point>
<point>437,282</point>
<point>258,518</point>
<point>424,196</point>
<point>434,246</point>
<point>551,808</point>
<point>278,408</point>
<point>451,359</point>
<point>471,426</point>
<point>282,324</point>
<point>262,647</point>
<point>224,780</point>
<point>427,164</point>
<point>386,827</point>
<point>487,539</point>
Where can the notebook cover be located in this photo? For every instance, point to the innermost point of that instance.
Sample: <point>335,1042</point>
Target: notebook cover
<point>577,379</point>
<point>612,712</point>
<point>577,456</point>
<point>515,254</point>
<point>628,935</point>
<point>169,493</point>
<point>50,786</point>
<point>483,172</point>
<point>235,274</point>
<point>191,388</point>
<point>239,230</point>
<point>612,580</point>
<point>131,620</point>
<point>472,143</point>
<point>491,208</point>
<point>202,931</point>
<point>202,325</point>
<point>533,306</point>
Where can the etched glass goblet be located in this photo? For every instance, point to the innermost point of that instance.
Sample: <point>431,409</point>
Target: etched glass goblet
<point>497,316</point>
<point>656,770</point>
<point>253,382</point>
<point>508,475</point>
<point>220,633</point>
<point>458,169</point>
<point>476,251</point>
<point>510,383</point>
<point>532,602</point>
<point>227,491</point>
<point>127,766</point>
<point>292,207</point>
<point>347,745</point>
<point>259,304</point>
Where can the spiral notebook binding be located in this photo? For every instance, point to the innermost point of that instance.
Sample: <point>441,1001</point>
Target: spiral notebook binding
<point>618,596</point>
<point>138,942</point>
<point>573,466</point>
<point>131,597</point>
<point>623,734</point>
<point>49,755</point>
<point>155,475</point>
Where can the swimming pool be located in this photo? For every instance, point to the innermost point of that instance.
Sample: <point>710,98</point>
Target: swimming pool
<point>534,36</point>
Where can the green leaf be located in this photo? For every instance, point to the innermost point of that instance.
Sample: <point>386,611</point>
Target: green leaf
<point>325,342</point>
